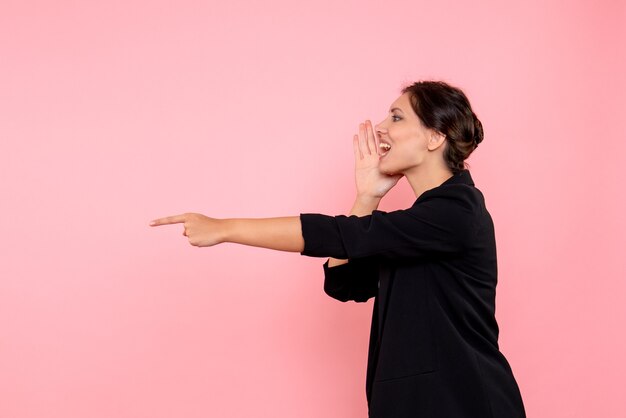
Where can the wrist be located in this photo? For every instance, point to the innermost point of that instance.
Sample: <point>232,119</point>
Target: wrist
<point>225,227</point>
<point>368,200</point>
<point>364,205</point>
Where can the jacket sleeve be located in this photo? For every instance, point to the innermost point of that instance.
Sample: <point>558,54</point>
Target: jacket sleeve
<point>436,226</point>
<point>355,280</point>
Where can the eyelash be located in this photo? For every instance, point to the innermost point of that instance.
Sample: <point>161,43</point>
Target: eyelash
<point>394,116</point>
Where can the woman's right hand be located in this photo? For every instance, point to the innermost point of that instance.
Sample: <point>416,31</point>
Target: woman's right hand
<point>369,180</point>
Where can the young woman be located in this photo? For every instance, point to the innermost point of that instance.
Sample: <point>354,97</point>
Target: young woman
<point>431,268</point>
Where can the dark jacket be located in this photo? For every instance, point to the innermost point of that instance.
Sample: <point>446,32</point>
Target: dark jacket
<point>432,270</point>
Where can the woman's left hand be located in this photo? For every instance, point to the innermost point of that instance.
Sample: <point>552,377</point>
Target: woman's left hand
<point>201,230</point>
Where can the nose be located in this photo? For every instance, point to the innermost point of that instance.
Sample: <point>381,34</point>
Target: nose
<point>378,128</point>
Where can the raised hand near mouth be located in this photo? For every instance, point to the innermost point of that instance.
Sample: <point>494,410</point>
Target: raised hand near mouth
<point>370,181</point>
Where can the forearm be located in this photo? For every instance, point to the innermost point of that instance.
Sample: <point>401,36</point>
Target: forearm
<point>362,206</point>
<point>282,233</point>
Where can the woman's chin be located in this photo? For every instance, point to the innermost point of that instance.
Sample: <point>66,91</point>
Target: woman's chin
<point>385,171</point>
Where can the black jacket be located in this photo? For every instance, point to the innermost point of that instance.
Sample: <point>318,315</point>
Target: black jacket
<point>432,270</point>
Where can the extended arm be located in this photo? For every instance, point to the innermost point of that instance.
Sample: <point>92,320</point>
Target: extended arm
<point>282,233</point>
<point>441,222</point>
<point>278,233</point>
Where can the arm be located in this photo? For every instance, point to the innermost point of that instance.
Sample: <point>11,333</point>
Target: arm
<point>283,233</point>
<point>442,222</point>
<point>279,233</point>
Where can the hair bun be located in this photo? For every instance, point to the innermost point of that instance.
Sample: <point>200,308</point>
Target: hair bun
<point>478,130</point>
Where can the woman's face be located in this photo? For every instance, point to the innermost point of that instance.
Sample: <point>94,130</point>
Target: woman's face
<point>409,139</point>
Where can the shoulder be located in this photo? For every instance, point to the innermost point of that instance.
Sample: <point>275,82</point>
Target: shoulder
<point>451,197</point>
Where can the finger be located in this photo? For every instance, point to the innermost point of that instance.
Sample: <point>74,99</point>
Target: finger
<point>371,138</point>
<point>363,140</point>
<point>355,145</point>
<point>168,220</point>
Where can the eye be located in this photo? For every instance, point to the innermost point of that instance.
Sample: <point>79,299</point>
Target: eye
<point>394,116</point>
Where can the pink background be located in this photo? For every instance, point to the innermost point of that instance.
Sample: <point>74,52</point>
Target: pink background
<point>115,113</point>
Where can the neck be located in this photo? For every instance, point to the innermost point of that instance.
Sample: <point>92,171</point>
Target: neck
<point>424,178</point>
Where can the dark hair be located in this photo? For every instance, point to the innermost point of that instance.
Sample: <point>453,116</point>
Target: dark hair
<point>447,110</point>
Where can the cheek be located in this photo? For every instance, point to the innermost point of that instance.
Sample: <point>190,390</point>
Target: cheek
<point>412,145</point>
<point>406,136</point>
<point>410,151</point>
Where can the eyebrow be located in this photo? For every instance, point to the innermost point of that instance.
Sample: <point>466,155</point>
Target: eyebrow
<point>395,108</point>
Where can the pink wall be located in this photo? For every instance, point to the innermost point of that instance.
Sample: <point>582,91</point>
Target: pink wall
<point>115,113</point>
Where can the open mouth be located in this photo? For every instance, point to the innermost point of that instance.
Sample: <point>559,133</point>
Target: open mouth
<point>384,148</point>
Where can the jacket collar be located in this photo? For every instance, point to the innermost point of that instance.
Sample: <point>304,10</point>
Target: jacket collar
<point>462,177</point>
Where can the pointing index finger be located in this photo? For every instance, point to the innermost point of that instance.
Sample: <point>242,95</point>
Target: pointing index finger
<point>176,219</point>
